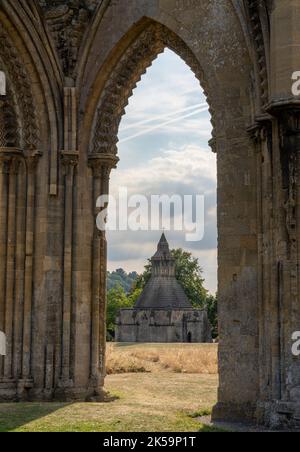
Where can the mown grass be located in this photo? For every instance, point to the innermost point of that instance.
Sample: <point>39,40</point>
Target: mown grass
<point>158,401</point>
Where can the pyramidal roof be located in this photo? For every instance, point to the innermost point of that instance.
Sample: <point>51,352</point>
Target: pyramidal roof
<point>163,291</point>
<point>163,249</point>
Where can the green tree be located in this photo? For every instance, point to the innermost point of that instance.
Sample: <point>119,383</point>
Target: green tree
<point>121,278</point>
<point>211,305</point>
<point>189,274</point>
<point>116,300</point>
<point>133,297</point>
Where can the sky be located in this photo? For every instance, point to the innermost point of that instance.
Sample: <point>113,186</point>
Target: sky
<point>163,149</point>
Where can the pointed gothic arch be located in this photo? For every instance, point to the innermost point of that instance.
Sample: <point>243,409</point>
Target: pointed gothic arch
<point>19,93</point>
<point>135,61</point>
<point>226,76</point>
<point>20,149</point>
<point>9,127</point>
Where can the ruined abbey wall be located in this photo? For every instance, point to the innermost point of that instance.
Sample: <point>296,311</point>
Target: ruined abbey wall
<point>71,68</point>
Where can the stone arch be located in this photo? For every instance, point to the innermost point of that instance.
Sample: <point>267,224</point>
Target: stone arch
<point>239,48</point>
<point>31,58</point>
<point>9,127</point>
<point>225,67</point>
<point>20,90</point>
<point>24,163</point>
<point>135,61</point>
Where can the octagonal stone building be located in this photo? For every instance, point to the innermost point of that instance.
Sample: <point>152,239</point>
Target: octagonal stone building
<point>163,312</point>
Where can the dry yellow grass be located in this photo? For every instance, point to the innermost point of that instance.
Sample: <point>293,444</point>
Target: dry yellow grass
<point>179,358</point>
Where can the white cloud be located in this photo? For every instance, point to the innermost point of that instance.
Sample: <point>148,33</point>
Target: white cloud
<point>175,159</point>
<point>190,167</point>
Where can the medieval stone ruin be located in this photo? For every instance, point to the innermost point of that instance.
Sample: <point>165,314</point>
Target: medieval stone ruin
<point>163,313</point>
<point>70,68</point>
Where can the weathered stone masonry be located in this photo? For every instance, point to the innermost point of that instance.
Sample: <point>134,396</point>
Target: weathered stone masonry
<point>71,67</point>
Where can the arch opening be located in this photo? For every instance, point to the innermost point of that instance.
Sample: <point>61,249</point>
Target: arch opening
<point>163,150</point>
<point>127,73</point>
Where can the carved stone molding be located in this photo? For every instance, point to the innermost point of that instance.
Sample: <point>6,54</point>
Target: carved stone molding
<point>9,128</point>
<point>67,22</point>
<point>127,73</point>
<point>4,164</point>
<point>289,134</point>
<point>255,20</point>
<point>32,159</point>
<point>15,70</point>
<point>69,160</point>
<point>102,164</point>
<point>261,131</point>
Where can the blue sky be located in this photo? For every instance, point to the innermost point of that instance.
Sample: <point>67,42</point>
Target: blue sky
<point>167,156</point>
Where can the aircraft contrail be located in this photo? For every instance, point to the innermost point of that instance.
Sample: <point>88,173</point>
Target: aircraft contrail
<point>151,129</point>
<point>166,115</point>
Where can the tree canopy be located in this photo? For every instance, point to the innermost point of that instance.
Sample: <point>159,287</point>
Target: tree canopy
<point>122,279</point>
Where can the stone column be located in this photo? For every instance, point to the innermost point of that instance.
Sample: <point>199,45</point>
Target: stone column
<point>10,267</point>
<point>289,128</point>
<point>69,161</point>
<point>283,311</point>
<point>4,171</point>
<point>101,165</point>
<point>285,288</point>
<point>19,269</point>
<point>31,165</point>
<point>261,134</point>
<point>106,170</point>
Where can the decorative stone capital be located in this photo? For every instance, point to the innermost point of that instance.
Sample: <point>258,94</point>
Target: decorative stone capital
<point>261,130</point>
<point>69,161</point>
<point>70,158</point>
<point>289,128</point>
<point>32,158</point>
<point>10,160</point>
<point>4,164</point>
<point>15,166</point>
<point>102,164</point>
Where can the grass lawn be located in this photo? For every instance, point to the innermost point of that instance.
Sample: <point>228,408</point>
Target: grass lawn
<point>161,401</point>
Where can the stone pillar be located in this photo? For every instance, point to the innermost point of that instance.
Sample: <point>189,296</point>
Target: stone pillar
<point>281,274</point>
<point>289,273</point>
<point>101,165</point>
<point>31,165</point>
<point>4,171</point>
<point>10,267</point>
<point>69,161</point>
<point>19,269</point>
